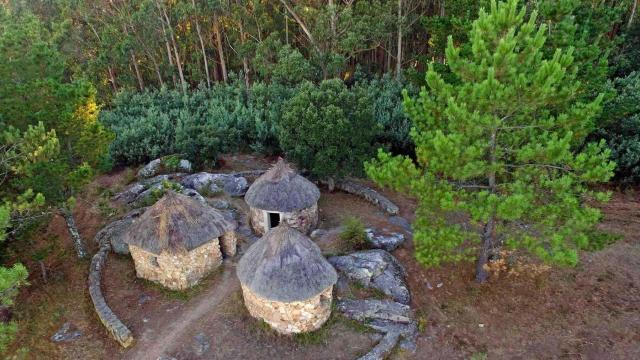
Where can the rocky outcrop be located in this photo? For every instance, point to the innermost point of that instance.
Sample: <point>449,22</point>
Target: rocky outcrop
<point>377,269</point>
<point>368,194</point>
<point>231,184</point>
<point>113,232</point>
<point>114,326</point>
<point>151,169</point>
<point>155,167</point>
<point>394,320</point>
<point>386,241</point>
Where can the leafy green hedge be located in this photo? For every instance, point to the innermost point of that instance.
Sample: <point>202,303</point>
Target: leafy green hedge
<point>202,123</point>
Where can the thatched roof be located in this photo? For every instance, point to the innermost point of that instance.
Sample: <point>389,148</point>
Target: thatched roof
<point>281,189</point>
<point>177,222</point>
<point>285,266</point>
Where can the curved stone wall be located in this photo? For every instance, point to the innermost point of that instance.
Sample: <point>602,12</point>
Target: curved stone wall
<point>303,220</point>
<point>177,271</point>
<point>115,327</point>
<point>292,317</point>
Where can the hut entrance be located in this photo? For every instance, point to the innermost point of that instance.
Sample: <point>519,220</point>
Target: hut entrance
<point>273,219</point>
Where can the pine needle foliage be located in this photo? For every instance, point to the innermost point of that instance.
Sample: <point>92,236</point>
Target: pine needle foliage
<point>502,147</point>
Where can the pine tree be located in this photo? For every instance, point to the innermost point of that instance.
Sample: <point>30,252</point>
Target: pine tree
<point>502,147</point>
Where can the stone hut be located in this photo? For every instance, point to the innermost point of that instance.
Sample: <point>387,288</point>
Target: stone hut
<point>282,196</point>
<point>286,281</point>
<point>179,240</point>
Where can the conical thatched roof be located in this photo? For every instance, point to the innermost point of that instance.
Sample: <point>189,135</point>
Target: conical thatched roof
<point>281,189</point>
<point>177,222</point>
<point>285,266</point>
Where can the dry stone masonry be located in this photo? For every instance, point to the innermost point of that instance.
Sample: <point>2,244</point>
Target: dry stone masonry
<point>290,317</point>
<point>114,326</point>
<point>177,271</point>
<point>286,281</point>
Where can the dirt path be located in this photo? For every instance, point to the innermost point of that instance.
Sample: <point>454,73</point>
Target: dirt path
<point>152,345</point>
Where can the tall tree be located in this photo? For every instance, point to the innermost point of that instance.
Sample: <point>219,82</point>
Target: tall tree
<point>503,145</point>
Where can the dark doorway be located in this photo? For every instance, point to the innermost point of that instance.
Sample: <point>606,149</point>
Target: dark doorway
<point>274,219</point>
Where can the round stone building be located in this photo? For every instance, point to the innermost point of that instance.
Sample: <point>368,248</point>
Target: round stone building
<point>282,196</point>
<point>286,281</point>
<point>179,240</point>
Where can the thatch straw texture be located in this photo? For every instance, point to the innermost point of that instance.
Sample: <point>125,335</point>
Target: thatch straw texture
<point>281,189</point>
<point>285,266</point>
<point>175,223</point>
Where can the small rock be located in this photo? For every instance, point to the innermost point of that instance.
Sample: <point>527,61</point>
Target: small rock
<point>401,222</point>
<point>236,186</point>
<point>144,298</point>
<point>68,332</point>
<point>219,204</point>
<point>377,269</point>
<point>194,194</point>
<point>317,233</point>
<point>389,241</point>
<point>129,194</point>
<point>185,165</point>
<point>230,184</point>
<point>390,318</point>
<point>150,169</point>
<point>201,344</point>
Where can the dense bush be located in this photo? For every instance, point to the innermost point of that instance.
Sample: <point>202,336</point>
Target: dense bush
<point>328,129</point>
<point>199,124</point>
<point>385,95</point>
<point>229,117</point>
<point>622,128</point>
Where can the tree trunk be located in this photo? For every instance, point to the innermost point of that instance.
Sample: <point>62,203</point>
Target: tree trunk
<point>216,29</point>
<point>482,274</point>
<point>169,54</point>
<point>157,69</point>
<point>633,14</point>
<point>112,79</point>
<point>204,53</point>
<point>302,25</point>
<point>245,61</point>
<point>183,83</point>
<point>73,232</point>
<point>399,51</point>
<point>488,234</point>
<point>134,60</point>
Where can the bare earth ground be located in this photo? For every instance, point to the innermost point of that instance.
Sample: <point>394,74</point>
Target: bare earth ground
<point>588,312</point>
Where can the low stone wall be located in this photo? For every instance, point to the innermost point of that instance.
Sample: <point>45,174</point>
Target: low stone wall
<point>303,220</point>
<point>177,271</point>
<point>292,317</point>
<point>368,194</point>
<point>115,327</point>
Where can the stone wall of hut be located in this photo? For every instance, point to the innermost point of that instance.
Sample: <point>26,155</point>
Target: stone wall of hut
<point>180,270</point>
<point>303,220</point>
<point>291,317</point>
<point>229,243</point>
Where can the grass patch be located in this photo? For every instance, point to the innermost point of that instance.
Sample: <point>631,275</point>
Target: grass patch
<point>353,235</point>
<point>601,239</point>
<point>478,356</point>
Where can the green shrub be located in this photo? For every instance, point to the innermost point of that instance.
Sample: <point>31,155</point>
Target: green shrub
<point>621,117</point>
<point>328,129</point>
<point>353,235</point>
<point>385,96</point>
